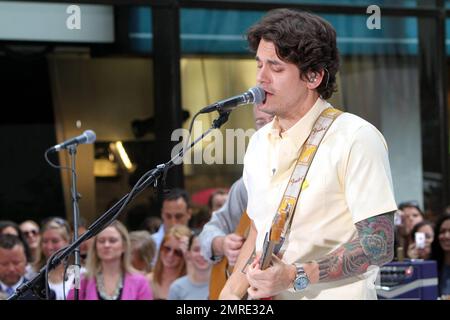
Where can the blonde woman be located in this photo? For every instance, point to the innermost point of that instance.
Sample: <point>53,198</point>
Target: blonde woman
<point>143,249</point>
<point>109,274</point>
<point>55,234</point>
<point>170,264</point>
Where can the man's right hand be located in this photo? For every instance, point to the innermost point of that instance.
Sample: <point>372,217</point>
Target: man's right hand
<point>232,245</point>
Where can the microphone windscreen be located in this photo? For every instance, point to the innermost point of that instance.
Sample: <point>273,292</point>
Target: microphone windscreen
<point>90,136</point>
<point>259,94</point>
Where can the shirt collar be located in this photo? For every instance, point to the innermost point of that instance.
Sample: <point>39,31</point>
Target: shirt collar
<point>300,131</point>
<point>15,286</point>
<point>161,230</point>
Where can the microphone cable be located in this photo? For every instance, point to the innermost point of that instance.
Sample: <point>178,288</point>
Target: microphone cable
<point>52,164</point>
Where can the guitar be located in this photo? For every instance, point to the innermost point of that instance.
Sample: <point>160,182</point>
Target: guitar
<point>273,241</point>
<point>221,271</point>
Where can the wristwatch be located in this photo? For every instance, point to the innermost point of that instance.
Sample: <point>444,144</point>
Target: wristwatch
<point>301,279</point>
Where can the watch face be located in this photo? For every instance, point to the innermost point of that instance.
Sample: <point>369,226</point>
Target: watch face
<point>301,283</point>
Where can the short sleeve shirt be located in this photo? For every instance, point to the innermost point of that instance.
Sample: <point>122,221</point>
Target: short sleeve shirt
<point>348,181</point>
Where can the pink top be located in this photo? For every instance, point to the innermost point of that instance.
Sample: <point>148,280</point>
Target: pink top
<point>135,287</point>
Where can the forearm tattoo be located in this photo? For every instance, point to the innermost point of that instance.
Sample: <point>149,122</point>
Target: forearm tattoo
<point>374,245</point>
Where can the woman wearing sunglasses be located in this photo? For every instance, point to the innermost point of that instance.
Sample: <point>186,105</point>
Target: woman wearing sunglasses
<point>170,264</point>
<point>30,229</point>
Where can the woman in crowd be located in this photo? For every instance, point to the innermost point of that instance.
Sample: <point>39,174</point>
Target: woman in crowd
<point>194,285</point>
<point>170,264</point>
<point>441,253</point>
<point>31,232</point>
<point>55,235</point>
<point>423,252</point>
<point>109,274</point>
<point>143,249</point>
<point>409,214</point>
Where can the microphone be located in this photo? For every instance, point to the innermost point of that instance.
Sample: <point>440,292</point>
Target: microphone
<point>86,137</point>
<point>253,95</point>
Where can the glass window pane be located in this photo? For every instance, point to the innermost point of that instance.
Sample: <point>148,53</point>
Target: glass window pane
<point>140,26</point>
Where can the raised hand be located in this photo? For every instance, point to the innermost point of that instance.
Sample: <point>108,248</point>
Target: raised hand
<point>232,245</point>
<point>184,243</point>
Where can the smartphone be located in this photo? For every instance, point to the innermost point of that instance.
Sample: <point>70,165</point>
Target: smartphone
<point>398,218</point>
<point>420,240</point>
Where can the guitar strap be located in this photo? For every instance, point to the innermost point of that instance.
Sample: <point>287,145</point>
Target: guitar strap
<point>285,213</point>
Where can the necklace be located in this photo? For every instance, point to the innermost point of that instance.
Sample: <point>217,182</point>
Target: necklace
<point>102,290</point>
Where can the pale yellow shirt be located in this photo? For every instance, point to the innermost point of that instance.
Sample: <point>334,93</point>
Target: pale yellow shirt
<point>349,180</point>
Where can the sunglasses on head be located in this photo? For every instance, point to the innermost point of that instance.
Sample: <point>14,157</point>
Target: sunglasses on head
<point>59,221</point>
<point>176,252</point>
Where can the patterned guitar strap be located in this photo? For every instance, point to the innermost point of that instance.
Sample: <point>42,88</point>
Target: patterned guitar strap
<point>274,241</point>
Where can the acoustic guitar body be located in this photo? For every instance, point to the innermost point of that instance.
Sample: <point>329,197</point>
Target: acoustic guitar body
<point>221,270</point>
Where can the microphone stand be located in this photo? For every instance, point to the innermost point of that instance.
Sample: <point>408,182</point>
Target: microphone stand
<point>38,285</point>
<point>76,215</point>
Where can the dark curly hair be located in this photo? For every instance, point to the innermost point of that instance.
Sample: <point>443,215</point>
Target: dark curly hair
<point>301,38</point>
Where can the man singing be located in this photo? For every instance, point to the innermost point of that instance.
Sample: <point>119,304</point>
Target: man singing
<point>342,227</point>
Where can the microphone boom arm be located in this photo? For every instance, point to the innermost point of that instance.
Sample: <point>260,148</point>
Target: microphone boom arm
<point>111,214</point>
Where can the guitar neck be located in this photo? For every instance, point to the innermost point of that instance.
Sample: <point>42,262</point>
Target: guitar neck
<point>266,256</point>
